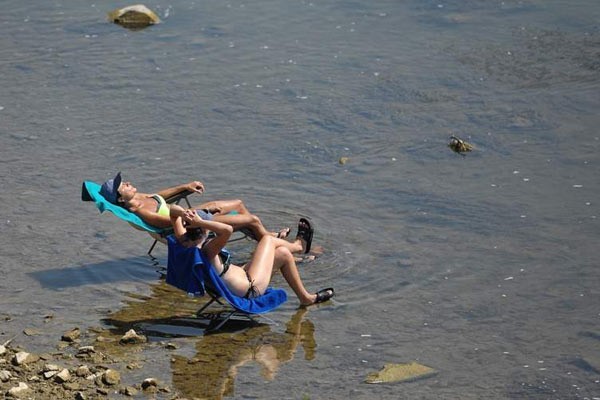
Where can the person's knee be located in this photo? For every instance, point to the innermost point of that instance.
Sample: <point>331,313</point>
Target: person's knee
<point>283,253</point>
<point>255,220</point>
<point>238,203</point>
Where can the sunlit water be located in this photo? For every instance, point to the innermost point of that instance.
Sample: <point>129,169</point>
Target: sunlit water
<point>483,267</point>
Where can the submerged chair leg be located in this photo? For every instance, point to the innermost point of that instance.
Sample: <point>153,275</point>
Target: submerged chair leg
<point>220,324</point>
<point>152,247</point>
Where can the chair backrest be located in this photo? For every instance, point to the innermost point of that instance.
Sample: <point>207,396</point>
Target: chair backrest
<point>189,270</point>
<point>90,191</point>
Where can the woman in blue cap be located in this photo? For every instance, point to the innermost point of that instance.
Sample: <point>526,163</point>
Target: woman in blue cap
<point>154,210</point>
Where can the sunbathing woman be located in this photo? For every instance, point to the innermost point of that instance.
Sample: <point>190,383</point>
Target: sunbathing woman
<point>154,210</point>
<point>253,278</point>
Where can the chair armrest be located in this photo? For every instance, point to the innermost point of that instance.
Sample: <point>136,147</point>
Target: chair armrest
<point>180,196</point>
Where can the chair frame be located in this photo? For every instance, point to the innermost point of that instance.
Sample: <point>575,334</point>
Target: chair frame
<point>229,313</point>
<point>160,234</point>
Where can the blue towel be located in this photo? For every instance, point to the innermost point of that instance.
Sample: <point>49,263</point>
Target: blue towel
<point>188,269</point>
<point>93,190</point>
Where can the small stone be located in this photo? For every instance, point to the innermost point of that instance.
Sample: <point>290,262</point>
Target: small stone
<point>131,337</point>
<point>128,391</point>
<point>49,374</point>
<point>63,376</point>
<point>92,377</point>
<point>102,391</point>
<point>80,396</point>
<point>111,377</point>
<point>22,358</point>
<point>62,345</point>
<point>86,350</point>
<point>343,160</point>
<point>133,365</point>
<point>171,346</point>
<point>83,371</point>
<point>5,375</point>
<point>51,367</point>
<point>34,378</point>
<point>31,332</point>
<point>2,349</point>
<point>18,390</point>
<point>72,335</point>
<point>149,383</point>
<point>73,386</point>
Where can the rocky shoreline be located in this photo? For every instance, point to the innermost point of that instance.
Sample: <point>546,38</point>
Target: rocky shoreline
<point>81,368</point>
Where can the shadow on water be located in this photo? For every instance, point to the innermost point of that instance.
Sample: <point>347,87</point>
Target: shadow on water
<point>210,373</point>
<point>109,271</point>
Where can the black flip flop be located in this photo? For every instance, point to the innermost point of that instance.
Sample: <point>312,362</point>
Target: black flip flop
<point>324,295</point>
<point>305,232</point>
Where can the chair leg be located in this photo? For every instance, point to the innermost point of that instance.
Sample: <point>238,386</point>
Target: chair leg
<point>231,314</point>
<point>204,307</point>
<point>152,247</point>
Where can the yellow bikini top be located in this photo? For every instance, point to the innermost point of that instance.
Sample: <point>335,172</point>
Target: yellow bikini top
<point>162,208</point>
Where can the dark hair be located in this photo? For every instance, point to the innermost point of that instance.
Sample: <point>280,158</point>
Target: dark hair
<point>193,234</point>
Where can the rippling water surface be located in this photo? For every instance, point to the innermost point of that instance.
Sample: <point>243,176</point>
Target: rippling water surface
<point>482,267</point>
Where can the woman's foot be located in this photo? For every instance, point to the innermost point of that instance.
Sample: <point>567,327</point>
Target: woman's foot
<point>321,296</point>
<point>282,234</point>
<point>305,234</point>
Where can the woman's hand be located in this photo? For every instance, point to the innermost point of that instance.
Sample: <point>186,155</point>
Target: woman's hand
<point>195,186</point>
<point>190,216</point>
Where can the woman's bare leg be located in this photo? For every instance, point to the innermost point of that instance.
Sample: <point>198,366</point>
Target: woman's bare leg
<point>225,206</point>
<point>243,219</point>
<point>284,260</point>
<point>260,267</point>
<point>271,253</point>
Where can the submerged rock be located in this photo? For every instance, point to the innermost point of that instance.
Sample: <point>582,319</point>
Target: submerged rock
<point>134,17</point>
<point>71,335</point>
<point>131,337</point>
<point>459,145</point>
<point>400,373</point>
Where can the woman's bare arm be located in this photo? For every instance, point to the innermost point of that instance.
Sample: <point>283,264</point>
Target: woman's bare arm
<point>222,231</point>
<point>194,187</point>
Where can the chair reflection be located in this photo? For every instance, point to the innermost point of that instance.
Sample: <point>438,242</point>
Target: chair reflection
<point>212,371</point>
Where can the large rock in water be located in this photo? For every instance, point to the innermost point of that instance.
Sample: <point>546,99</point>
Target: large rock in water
<point>400,373</point>
<point>134,17</point>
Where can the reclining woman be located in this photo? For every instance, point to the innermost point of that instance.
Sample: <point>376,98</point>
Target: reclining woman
<point>253,278</point>
<point>154,210</point>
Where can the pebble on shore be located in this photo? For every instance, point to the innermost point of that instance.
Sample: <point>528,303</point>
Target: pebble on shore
<point>74,372</point>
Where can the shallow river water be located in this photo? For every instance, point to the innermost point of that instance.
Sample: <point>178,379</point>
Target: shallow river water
<point>480,266</point>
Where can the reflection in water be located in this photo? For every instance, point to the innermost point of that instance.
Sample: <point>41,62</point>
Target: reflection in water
<point>211,372</point>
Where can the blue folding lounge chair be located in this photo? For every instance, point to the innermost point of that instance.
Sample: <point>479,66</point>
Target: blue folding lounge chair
<point>188,270</point>
<point>90,191</point>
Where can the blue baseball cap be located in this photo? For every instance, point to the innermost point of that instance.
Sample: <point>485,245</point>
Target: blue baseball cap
<point>109,189</point>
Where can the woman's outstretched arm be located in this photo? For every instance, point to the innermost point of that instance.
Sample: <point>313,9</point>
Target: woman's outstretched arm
<point>194,187</point>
